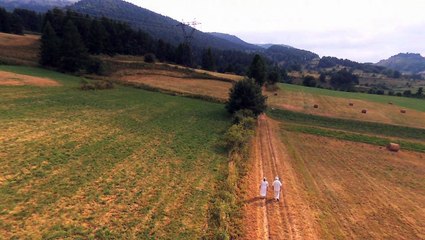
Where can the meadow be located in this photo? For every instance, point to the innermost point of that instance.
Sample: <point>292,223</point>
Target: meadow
<point>120,163</point>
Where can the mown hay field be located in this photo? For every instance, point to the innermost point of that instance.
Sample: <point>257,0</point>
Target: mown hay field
<point>20,50</point>
<point>181,84</point>
<point>120,163</point>
<point>357,190</point>
<point>336,104</point>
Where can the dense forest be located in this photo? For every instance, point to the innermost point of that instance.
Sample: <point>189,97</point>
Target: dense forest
<point>65,30</point>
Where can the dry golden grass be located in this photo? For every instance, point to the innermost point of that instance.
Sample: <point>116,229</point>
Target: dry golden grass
<point>228,76</point>
<point>205,87</point>
<point>360,191</point>
<point>16,49</point>
<point>339,107</point>
<point>14,79</point>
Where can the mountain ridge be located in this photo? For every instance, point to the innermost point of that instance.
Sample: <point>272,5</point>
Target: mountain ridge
<point>35,5</point>
<point>412,63</point>
<point>157,25</point>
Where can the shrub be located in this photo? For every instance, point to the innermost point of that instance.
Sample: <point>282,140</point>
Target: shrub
<point>248,123</point>
<point>246,94</point>
<point>96,85</point>
<point>241,114</point>
<point>309,81</point>
<point>237,137</point>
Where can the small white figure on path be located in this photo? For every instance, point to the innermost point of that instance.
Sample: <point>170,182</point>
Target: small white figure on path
<point>277,186</point>
<point>263,188</point>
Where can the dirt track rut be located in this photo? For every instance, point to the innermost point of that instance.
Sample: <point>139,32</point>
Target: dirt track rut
<point>291,218</point>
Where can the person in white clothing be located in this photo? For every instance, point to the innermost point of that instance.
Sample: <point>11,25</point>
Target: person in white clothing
<point>263,188</point>
<point>277,186</point>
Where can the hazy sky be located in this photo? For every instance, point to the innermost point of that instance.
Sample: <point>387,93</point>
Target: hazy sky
<point>361,30</point>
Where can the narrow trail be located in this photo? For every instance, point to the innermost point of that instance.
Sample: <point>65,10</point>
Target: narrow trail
<point>290,218</point>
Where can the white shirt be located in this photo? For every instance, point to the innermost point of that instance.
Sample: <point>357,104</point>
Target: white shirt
<point>276,185</point>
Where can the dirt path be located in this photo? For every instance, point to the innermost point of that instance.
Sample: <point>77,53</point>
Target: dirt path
<point>291,218</point>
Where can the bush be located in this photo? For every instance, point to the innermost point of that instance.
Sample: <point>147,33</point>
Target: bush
<point>96,85</point>
<point>309,81</point>
<point>237,137</point>
<point>248,123</point>
<point>246,94</point>
<point>241,114</point>
<point>150,58</point>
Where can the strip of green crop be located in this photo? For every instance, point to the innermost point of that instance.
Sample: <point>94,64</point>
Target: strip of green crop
<point>354,137</point>
<point>349,125</point>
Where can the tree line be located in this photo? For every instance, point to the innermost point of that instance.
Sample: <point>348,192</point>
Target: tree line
<point>62,30</point>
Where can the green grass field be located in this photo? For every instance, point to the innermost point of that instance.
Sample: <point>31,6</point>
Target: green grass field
<point>121,163</point>
<point>412,103</point>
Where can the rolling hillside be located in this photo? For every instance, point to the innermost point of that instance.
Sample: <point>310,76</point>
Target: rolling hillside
<point>159,26</point>
<point>405,62</point>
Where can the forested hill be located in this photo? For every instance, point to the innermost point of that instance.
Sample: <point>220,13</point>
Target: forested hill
<point>289,56</point>
<point>158,26</point>
<point>35,5</point>
<point>405,62</point>
<point>235,39</point>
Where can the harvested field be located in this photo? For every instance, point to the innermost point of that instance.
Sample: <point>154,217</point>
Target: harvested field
<point>14,79</point>
<point>301,99</point>
<point>229,76</point>
<point>20,50</point>
<point>359,191</point>
<point>212,88</point>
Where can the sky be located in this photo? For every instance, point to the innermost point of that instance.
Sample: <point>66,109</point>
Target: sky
<point>360,30</point>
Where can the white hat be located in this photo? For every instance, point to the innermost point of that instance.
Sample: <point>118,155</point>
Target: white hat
<point>276,178</point>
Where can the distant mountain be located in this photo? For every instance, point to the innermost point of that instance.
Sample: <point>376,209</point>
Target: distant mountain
<point>405,62</point>
<point>35,5</point>
<point>235,39</point>
<point>158,26</point>
<point>268,45</point>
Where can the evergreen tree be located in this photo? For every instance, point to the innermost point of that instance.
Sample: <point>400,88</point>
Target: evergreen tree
<point>30,19</point>
<point>257,70</point>
<point>184,55</point>
<point>273,77</point>
<point>16,26</point>
<point>420,92</point>
<point>50,47</point>
<point>74,53</point>
<point>4,21</point>
<point>97,39</point>
<point>56,17</point>
<point>246,94</point>
<point>208,62</point>
<point>161,50</point>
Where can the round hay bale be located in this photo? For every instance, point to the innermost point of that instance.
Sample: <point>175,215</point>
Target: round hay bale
<point>403,111</point>
<point>316,106</point>
<point>364,111</point>
<point>351,104</point>
<point>393,147</point>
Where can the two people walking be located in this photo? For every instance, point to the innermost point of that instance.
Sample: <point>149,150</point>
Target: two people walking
<point>277,187</point>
